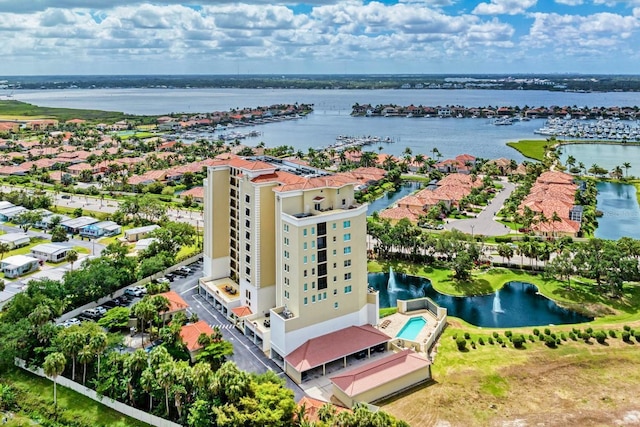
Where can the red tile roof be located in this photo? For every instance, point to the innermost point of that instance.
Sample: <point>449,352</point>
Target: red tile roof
<point>191,332</point>
<point>312,406</point>
<point>242,311</point>
<point>176,303</point>
<point>329,347</point>
<point>374,374</point>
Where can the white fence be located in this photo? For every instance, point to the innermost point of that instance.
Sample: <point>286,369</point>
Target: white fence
<point>107,401</point>
<point>119,292</point>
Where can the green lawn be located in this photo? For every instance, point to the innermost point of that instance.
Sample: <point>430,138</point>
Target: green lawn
<point>583,296</point>
<point>35,397</point>
<point>23,110</point>
<point>533,149</point>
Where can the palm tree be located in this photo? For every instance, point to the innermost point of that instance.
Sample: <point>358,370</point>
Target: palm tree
<point>72,342</point>
<point>53,366</point>
<point>625,165</point>
<point>98,343</point>
<point>72,256</point>
<point>165,376</point>
<point>148,383</point>
<point>4,248</point>
<point>145,311</point>
<point>85,356</point>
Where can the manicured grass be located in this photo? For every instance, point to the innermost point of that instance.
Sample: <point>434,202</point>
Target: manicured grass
<point>588,384</point>
<point>533,149</point>
<point>36,398</point>
<point>139,135</point>
<point>25,250</point>
<point>584,296</point>
<point>416,178</point>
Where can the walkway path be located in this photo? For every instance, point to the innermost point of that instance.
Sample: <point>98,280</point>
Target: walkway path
<point>485,223</point>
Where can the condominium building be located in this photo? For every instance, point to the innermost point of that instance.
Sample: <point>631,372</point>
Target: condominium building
<point>285,252</point>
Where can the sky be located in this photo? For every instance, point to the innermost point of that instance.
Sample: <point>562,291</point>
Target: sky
<point>62,37</point>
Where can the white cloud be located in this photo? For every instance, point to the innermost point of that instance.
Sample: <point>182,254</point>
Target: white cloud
<point>504,7</point>
<point>570,2</point>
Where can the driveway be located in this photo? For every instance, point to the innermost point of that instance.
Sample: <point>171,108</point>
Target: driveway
<point>485,223</point>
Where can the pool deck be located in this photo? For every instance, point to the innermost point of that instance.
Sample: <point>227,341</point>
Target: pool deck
<point>398,320</point>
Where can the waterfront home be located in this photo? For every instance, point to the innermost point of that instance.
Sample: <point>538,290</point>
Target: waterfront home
<point>18,265</point>
<point>53,252</point>
<point>553,195</point>
<point>135,234</point>
<point>15,240</point>
<point>190,333</point>
<point>101,229</point>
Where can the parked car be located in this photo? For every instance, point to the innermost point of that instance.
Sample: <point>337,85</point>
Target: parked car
<point>163,280</point>
<point>91,313</point>
<point>153,345</point>
<point>185,269</point>
<point>110,304</point>
<point>180,273</point>
<point>101,310</point>
<point>65,196</point>
<point>71,322</point>
<point>121,301</point>
<point>142,289</point>
<point>133,292</point>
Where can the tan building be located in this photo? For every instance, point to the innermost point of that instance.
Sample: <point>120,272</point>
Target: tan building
<point>285,252</point>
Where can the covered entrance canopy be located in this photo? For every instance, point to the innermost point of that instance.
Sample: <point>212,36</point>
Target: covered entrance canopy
<point>327,348</point>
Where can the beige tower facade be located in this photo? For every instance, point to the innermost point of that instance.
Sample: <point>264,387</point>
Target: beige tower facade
<point>293,240</point>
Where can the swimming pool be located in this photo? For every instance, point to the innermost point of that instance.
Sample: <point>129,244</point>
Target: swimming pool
<point>412,328</point>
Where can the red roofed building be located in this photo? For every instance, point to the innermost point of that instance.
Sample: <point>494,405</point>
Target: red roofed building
<point>196,192</point>
<point>176,305</point>
<point>319,351</point>
<point>381,378</point>
<point>190,334</point>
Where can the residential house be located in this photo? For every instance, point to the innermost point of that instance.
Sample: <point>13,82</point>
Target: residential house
<point>18,265</point>
<point>197,193</point>
<point>52,252</point>
<point>74,225</point>
<point>101,229</point>
<point>15,240</point>
<point>176,305</point>
<point>135,234</point>
<point>8,214</point>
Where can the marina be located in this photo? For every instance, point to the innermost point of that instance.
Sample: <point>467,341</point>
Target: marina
<point>602,129</point>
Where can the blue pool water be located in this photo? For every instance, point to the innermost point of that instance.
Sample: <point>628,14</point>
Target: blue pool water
<point>412,328</point>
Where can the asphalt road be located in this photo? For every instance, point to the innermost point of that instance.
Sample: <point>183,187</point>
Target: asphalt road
<point>485,224</point>
<point>246,355</point>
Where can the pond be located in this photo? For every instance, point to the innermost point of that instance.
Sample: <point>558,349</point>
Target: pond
<point>620,211</point>
<point>517,304</point>
<point>607,156</point>
<point>393,196</point>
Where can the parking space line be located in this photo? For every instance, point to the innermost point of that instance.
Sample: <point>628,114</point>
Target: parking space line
<point>233,332</point>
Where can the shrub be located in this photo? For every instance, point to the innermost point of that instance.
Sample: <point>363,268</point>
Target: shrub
<point>601,337</point>
<point>575,331</point>
<point>518,341</point>
<point>553,336</point>
<point>626,336</point>
<point>586,336</point>
<point>490,340</point>
<point>495,335</point>
<point>612,333</point>
<point>541,337</point>
<point>508,334</point>
<point>473,344</point>
<point>499,340</point>
<point>572,336</point>
<point>626,327</point>
<point>637,335</point>
<point>461,343</point>
<point>589,330</point>
<point>563,337</point>
<point>467,336</point>
<point>532,338</point>
<point>550,342</point>
<point>455,337</point>
<point>547,331</point>
<point>536,332</point>
<point>480,341</point>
